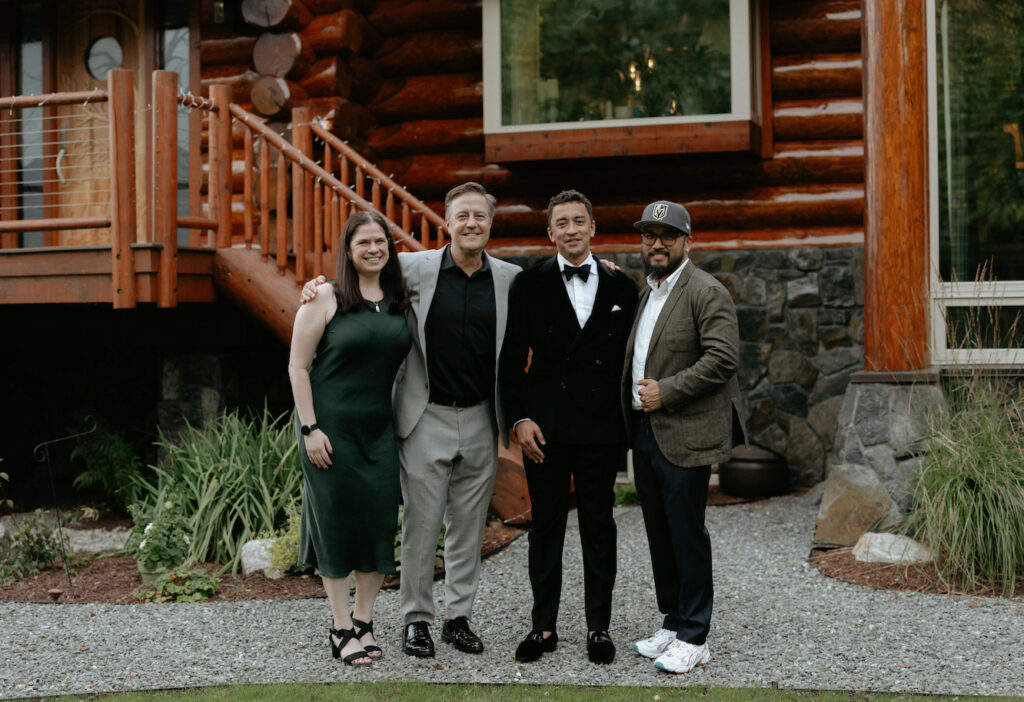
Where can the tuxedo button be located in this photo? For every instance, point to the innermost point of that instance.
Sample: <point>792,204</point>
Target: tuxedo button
<point>566,357</point>
<point>563,385</point>
<point>598,361</point>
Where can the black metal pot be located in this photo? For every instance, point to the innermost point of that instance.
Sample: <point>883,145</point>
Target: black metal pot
<point>753,471</point>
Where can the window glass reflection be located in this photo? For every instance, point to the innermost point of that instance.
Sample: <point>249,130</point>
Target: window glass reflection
<point>599,60</point>
<point>980,73</point>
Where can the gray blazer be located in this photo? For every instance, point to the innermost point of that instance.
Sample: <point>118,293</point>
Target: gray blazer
<point>412,388</point>
<point>693,355</point>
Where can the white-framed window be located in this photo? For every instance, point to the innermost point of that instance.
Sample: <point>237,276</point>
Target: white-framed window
<point>976,123</point>
<point>551,65</point>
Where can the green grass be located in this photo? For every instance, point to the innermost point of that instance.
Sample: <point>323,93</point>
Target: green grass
<point>425,692</point>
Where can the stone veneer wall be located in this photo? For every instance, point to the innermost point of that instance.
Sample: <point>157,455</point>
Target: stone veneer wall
<point>801,318</point>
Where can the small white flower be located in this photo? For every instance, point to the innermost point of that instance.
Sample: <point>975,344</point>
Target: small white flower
<point>187,540</point>
<point>142,545</point>
<point>148,527</point>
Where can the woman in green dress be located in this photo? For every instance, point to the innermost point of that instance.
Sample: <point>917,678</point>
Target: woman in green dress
<point>347,346</point>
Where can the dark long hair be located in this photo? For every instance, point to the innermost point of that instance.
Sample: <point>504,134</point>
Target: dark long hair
<point>346,279</point>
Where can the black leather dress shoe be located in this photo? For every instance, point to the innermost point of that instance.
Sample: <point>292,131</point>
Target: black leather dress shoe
<point>534,645</point>
<point>456,632</point>
<point>417,640</point>
<point>600,648</point>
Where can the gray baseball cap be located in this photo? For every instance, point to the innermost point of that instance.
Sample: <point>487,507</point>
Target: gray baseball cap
<point>664,212</point>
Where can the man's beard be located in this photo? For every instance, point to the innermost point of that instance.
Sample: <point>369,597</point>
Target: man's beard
<point>662,272</point>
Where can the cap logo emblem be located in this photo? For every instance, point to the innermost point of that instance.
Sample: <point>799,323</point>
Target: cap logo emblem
<point>660,210</point>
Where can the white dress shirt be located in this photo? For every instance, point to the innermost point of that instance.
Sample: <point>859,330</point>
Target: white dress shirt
<point>581,294</point>
<point>645,327</point>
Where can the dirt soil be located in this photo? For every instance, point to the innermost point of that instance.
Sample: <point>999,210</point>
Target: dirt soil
<point>114,578</point>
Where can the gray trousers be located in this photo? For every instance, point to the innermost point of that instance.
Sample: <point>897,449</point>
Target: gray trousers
<point>448,466</point>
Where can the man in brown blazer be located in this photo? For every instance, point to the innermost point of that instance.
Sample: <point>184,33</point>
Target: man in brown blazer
<point>681,401</point>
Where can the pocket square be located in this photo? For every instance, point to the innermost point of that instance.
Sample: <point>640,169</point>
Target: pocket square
<point>616,308</point>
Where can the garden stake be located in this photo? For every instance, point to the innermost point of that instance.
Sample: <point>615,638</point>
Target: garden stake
<point>42,453</point>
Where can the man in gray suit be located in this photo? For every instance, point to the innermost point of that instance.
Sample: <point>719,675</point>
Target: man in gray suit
<point>681,401</point>
<point>448,412</point>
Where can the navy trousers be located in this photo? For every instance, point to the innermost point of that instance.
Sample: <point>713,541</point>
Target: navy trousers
<point>673,500</point>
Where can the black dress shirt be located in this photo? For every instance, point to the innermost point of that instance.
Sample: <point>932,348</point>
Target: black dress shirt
<point>460,333</point>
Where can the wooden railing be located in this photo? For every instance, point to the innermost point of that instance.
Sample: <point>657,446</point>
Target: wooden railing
<point>292,205</point>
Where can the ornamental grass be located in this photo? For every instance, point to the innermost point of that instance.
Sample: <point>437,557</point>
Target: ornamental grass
<point>235,479</point>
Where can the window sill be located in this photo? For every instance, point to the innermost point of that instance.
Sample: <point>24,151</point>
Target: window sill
<point>642,140</point>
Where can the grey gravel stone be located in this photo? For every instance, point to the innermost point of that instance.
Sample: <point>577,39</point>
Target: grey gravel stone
<point>777,621</point>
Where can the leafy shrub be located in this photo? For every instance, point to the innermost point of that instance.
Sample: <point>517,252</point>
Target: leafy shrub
<point>160,540</point>
<point>284,552</point>
<point>34,548</point>
<point>179,585</point>
<point>4,502</point>
<point>626,494</point>
<point>238,478</point>
<point>111,463</point>
<point>968,500</point>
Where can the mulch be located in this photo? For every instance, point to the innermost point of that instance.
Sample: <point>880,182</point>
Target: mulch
<point>840,563</point>
<point>114,578</point>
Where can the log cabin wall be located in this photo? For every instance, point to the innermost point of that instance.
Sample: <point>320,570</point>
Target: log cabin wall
<point>785,234</point>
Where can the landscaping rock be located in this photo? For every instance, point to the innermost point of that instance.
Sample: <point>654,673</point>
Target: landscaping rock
<point>256,557</point>
<point>854,501</point>
<point>872,547</point>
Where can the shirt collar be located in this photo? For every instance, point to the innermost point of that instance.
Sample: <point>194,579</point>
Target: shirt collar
<point>589,261</point>
<point>448,262</point>
<point>669,283</point>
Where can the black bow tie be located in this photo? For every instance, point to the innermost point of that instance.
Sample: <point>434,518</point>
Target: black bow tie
<point>582,271</point>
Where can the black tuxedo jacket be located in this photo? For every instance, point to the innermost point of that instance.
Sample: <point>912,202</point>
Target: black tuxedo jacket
<point>571,389</point>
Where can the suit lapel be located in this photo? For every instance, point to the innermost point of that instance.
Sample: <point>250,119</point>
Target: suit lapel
<point>563,313</point>
<point>502,281</point>
<point>430,269</point>
<point>670,303</point>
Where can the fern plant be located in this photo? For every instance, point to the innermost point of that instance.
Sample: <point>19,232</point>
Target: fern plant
<point>110,463</point>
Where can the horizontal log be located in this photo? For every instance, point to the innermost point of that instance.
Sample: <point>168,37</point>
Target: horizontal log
<point>224,70</point>
<point>430,53</point>
<point>241,85</point>
<point>339,33</point>
<point>815,26</point>
<point>401,16</point>
<point>430,97</point>
<point>282,14</point>
<point>328,77</point>
<point>227,49</point>
<point>428,136</point>
<point>840,118</point>
<point>816,75</point>
<point>626,242</point>
<point>270,95</point>
<point>282,54</point>
<point>343,117</point>
<point>366,80</point>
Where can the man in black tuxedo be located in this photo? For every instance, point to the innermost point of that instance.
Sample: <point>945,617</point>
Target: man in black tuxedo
<point>574,314</point>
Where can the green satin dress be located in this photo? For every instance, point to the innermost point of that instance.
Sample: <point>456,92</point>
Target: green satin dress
<point>350,510</point>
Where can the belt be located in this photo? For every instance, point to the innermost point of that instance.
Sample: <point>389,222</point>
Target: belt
<point>446,401</point>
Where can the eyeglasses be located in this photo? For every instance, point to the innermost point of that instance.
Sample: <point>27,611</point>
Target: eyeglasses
<point>667,238</point>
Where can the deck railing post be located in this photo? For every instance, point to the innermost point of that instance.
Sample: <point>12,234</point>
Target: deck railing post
<point>220,162</point>
<point>302,138</point>
<point>122,186</point>
<point>164,184</point>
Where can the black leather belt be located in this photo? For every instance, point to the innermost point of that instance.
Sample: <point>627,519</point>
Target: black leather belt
<point>446,401</point>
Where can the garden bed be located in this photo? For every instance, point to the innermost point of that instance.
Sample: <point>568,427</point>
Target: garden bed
<point>114,578</point>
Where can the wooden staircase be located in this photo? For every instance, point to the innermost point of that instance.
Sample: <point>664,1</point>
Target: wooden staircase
<point>266,212</point>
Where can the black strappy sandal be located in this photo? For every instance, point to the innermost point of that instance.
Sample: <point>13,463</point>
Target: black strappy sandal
<point>347,635</point>
<point>362,629</point>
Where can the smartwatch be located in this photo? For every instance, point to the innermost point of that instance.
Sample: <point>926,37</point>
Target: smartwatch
<point>307,429</point>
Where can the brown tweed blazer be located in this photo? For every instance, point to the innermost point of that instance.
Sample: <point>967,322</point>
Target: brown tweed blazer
<point>693,355</point>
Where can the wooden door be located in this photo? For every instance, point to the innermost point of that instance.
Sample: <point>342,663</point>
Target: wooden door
<point>90,37</point>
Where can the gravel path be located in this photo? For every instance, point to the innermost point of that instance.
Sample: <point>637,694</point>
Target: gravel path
<point>776,621</point>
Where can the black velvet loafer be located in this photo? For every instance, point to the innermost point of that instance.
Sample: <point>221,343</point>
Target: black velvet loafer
<point>535,645</point>
<point>417,640</point>
<point>600,648</point>
<point>457,632</point>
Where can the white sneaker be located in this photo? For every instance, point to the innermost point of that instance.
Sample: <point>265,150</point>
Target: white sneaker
<point>654,646</point>
<point>682,657</point>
